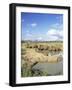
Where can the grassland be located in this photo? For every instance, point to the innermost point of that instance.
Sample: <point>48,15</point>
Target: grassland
<point>36,52</point>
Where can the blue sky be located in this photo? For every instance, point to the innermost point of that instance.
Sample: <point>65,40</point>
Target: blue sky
<point>41,26</point>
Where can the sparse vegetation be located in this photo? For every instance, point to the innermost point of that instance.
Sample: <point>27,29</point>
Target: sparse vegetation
<point>36,52</point>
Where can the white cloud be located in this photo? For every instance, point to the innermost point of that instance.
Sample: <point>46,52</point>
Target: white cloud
<point>52,38</point>
<point>33,24</point>
<point>28,34</point>
<point>51,32</point>
<point>54,34</point>
<point>39,38</point>
<point>57,26</point>
<point>61,33</point>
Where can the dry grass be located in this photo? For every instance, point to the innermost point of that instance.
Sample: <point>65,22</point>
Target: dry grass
<point>33,53</point>
<point>32,57</point>
<point>53,46</point>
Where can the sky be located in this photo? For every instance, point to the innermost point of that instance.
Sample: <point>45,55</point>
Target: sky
<point>41,26</point>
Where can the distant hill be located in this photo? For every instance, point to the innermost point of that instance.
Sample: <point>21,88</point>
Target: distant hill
<point>23,41</point>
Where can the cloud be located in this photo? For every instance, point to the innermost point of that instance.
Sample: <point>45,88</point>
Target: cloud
<point>39,38</point>
<point>54,34</point>
<point>51,32</point>
<point>33,24</point>
<point>28,35</point>
<point>59,17</point>
<point>57,26</point>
